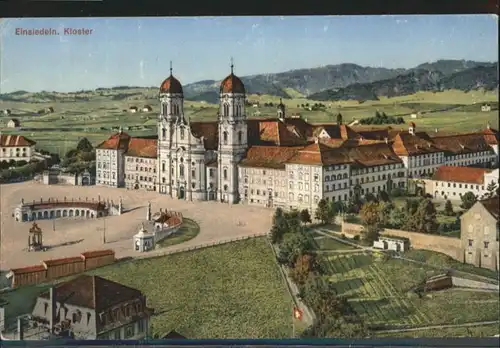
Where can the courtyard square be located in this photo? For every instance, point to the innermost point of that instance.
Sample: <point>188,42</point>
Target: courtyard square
<point>68,237</point>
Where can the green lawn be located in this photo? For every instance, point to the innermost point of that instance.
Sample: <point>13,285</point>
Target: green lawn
<point>327,243</point>
<point>233,290</point>
<point>188,230</point>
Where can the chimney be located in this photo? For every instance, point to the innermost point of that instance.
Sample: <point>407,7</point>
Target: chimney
<point>52,312</point>
<point>20,329</point>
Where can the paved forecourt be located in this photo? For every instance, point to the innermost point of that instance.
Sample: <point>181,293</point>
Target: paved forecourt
<point>69,236</point>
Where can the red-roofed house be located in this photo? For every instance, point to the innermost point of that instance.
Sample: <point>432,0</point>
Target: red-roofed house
<point>16,147</point>
<point>451,182</point>
<point>141,164</point>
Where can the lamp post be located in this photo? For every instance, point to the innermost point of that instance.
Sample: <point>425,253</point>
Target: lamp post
<point>103,229</point>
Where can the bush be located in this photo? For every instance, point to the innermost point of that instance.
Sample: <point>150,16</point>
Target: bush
<point>356,237</point>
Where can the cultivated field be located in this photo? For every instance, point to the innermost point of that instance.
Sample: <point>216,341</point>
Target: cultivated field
<point>102,114</point>
<point>379,291</point>
<point>229,291</point>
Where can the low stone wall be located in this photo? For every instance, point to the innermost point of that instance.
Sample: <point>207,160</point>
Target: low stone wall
<point>177,220</point>
<point>467,283</point>
<point>442,244</point>
<point>446,245</point>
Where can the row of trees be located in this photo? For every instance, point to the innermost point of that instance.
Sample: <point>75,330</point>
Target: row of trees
<point>382,118</point>
<point>334,317</point>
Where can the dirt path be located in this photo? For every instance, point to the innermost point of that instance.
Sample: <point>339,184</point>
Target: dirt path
<point>72,236</point>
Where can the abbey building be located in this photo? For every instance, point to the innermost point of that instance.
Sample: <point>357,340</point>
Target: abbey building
<point>276,162</point>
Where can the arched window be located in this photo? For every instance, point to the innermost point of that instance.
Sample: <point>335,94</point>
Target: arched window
<point>240,137</point>
<point>225,174</point>
<point>345,176</point>
<point>165,108</point>
<point>225,187</point>
<point>181,169</point>
<point>225,110</point>
<point>339,177</point>
<point>225,138</point>
<point>163,133</point>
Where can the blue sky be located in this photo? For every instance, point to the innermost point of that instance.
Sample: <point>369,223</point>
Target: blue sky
<point>137,51</point>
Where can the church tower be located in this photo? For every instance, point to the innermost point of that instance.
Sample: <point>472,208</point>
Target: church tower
<point>232,136</point>
<point>171,113</point>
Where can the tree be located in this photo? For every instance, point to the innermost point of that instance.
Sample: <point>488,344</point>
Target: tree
<point>276,234</point>
<point>370,213</point>
<point>424,219</point>
<point>293,246</point>
<point>370,197</point>
<point>448,208</point>
<point>492,189</point>
<point>383,196</point>
<point>339,119</point>
<point>84,145</point>
<point>468,200</point>
<point>324,212</point>
<point>303,267</point>
<point>278,215</point>
<point>397,218</point>
<point>305,217</point>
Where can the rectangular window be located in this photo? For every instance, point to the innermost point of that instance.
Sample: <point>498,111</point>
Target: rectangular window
<point>486,245</point>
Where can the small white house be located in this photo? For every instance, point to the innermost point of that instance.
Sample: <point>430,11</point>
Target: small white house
<point>132,109</point>
<point>13,123</point>
<point>451,182</point>
<point>6,112</point>
<point>414,116</point>
<point>387,242</point>
<point>486,107</point>
<point>147,108</point>
<point>144,241</point>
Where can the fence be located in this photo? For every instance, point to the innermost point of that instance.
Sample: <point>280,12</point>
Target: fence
<point>57,268</point>
<point>158,253</point>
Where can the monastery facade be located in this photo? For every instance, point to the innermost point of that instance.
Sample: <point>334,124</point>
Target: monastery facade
<point>282,162</point>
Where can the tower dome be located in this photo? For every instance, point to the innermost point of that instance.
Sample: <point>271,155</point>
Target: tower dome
<point>232,84</point>
<point>171,85</point>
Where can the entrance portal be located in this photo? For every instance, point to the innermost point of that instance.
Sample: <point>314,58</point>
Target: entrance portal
<point>182,193</point>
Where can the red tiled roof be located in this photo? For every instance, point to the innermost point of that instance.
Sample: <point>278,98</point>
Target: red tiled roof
<point>209,131</point>
<point>97,253</point>
<point>460,174</point>
<point>374,154</point>
<point>142,147</point>
<point>406,144</point>
<point>232,84</point>
<point>320,154</point>
<point>29,269</point>
<point>11,140</point>
<point>269,156</point>
<point>461,143</point>
<point>62,261</point>
<point>492,205</point>
<point>93,292</point>
<point>118,141</point>
<point>492,136</point>
<point>171,85</point>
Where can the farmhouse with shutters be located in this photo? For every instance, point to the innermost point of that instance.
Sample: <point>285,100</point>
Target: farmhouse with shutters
<point>281,162</point>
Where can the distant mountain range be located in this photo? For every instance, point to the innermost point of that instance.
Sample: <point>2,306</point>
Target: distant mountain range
<point>351,81</point>
<point>331,82</point>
